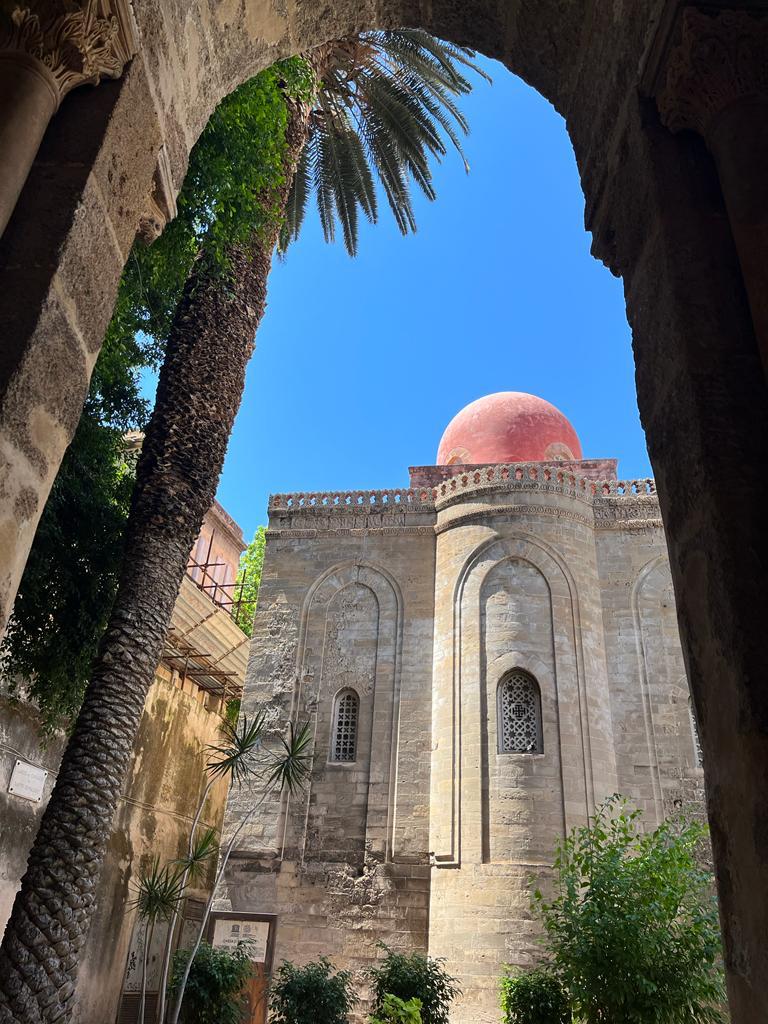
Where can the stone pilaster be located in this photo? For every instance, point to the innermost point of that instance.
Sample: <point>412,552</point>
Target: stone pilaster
<point>44,54</point>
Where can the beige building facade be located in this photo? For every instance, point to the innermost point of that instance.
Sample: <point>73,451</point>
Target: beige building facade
<point>484,656</point>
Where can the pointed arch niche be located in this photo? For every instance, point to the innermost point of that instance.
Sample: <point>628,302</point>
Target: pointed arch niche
<point>515,608</point>
<point>349,648</point>
<point>664,694</point>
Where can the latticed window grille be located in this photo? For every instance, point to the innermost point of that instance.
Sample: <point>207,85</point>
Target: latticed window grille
<point>519,715</point>
<point>344,746</point>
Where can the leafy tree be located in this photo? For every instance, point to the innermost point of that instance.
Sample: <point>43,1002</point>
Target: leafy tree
<point>311,995</point>
<point>215,985</point>
<point>397,1011</point>
<point>415,976</point>
<point>534,997</point>
<point>398,88</point>
<point>249,580</point>
<point>71,575</point>
<point>633,929</point>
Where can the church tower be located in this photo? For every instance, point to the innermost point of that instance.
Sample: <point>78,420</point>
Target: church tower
<point>483,657</point>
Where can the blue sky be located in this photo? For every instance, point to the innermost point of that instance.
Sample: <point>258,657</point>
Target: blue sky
<point>360,364</point>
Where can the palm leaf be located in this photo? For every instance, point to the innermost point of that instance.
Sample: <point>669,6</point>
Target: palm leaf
<point>159,892</point>
<point>385,109</point>
<point>296,206</point>
<point>204,848</point>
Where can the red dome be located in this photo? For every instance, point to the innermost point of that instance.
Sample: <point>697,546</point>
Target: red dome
<point>509,426</point>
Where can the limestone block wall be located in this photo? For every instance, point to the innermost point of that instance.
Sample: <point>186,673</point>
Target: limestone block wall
<point>435,835</point>
<point>346,604</point>
<point>153,819</point>
<point>658,761</point>
<point>516,587</point>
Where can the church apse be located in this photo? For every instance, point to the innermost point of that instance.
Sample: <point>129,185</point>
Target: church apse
<point>480,655</point>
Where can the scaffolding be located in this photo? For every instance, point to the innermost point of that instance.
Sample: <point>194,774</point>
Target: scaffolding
<point>204,643</point>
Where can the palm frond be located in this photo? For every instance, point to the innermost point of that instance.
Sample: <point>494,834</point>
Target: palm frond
<point>296,207</point>
<point>159,892</point>
<point>204,848</point>
<point>386,108</point>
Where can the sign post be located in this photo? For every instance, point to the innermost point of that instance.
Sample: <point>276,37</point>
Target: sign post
<point>227,929</point>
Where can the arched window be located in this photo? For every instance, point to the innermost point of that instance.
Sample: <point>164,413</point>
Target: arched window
<point>519,715</point>
<point>345,717</point>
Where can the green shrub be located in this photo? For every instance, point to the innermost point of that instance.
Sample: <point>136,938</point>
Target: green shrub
<point>215,990</point>
<point>311,995</point>
<point>534,997</point>
<point>415,976</point>
<point>632,930</point>
<point>397,1011</point>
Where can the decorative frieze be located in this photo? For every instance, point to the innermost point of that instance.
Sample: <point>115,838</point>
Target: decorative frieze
<point>719,60</point>
<point>81,45</point>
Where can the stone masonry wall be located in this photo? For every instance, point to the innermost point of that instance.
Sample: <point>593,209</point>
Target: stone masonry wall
<point>433,838</point>
<point>517,589</point>
<point>658,761</point>
<point>346,603</point>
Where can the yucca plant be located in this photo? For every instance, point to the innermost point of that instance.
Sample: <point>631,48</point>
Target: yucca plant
<point>235,757</point>
<point>287,771</point>
<point>159,892</point>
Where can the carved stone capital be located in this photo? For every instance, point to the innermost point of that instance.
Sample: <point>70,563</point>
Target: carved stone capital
<point>85,43</point>
<point>720,59</point>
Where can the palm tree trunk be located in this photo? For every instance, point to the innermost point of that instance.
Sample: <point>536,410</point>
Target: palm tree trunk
<point>198,395</point>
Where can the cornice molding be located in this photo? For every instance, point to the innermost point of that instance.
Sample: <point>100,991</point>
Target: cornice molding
<point>79,46</point>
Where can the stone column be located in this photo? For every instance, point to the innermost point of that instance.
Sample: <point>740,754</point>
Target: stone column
<point>703,402</point>
<point>716,84</point>
<point>42,58</point>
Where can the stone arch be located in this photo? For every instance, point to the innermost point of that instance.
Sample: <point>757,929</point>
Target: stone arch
<point>701,386</point>
<point>379,697</point>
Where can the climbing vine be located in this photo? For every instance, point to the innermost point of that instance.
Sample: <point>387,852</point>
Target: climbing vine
<point>72,572</point>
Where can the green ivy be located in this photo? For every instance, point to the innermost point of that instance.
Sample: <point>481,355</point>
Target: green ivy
<point>72,572</point>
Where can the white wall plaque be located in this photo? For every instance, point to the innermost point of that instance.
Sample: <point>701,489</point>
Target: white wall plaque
<point>227,933</point>
<point>27,781</point>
